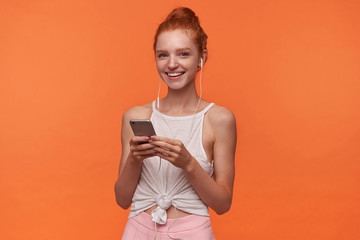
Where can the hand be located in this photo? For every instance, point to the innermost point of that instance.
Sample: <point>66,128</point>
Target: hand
<point>140,148</point>
<point>172,150</point>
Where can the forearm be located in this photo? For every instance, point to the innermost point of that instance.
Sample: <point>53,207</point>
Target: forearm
<point>213,194</point>
<point>127,182</point>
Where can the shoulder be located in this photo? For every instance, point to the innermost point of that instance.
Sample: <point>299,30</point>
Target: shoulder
<point>138,112</point>
<point>221,116</point>
<point>223,126</point>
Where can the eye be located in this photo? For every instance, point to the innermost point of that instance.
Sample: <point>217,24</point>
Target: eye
<point>184,54</point>
<point>161,55</point>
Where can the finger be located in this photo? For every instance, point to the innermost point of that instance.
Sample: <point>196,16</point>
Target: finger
<point>165,145</point>
<point>139,139</point>
<point>162,144</point>
<point>165,139</point>
<point>149,156</point>
<point>141,147</point>
<point>145,154</point>
<point>165,152</point>
<point>166,157</point>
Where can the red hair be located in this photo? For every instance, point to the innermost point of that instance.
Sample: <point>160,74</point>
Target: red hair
<point>185,19</point>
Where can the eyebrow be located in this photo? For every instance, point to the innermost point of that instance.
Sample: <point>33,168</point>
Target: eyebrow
<point>178,50</point>
<point>183,49</point>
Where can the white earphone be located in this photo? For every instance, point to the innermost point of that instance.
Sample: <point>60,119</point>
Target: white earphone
<point>201,62</point>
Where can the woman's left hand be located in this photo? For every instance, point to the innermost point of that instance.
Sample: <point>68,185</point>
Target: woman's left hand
<point>172,150</point>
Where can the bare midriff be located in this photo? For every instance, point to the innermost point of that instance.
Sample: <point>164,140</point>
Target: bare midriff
<point>171,212</point>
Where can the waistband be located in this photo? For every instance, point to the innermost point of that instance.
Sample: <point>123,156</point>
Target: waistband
<point>182,224</point>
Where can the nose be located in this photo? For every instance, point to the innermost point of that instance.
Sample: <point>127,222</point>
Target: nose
<point>173,63</point>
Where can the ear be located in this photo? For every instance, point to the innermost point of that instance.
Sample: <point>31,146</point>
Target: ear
<point>204,56</point>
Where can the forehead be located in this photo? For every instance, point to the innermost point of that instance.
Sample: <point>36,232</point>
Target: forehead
<point>175,39</point>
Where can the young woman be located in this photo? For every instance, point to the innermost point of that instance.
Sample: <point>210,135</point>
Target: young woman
<point>170,180</point>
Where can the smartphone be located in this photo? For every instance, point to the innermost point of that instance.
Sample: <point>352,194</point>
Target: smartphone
<point>142,127</point>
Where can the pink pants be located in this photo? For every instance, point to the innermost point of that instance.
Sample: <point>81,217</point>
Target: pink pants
<point>192,227</point>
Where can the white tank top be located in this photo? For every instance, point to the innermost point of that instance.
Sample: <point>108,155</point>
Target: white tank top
<point>165,185</point>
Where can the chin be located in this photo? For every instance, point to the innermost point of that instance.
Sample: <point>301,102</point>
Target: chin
<point>175,86</point>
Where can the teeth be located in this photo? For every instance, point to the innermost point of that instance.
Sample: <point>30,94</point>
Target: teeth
<point>174,74</point>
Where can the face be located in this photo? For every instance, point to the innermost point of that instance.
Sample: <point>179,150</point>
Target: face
<point>177,58</point>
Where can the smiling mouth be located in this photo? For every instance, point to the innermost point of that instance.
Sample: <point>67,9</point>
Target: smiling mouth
<point>175,74</point>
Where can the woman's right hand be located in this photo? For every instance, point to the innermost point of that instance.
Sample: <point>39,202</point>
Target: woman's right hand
<point>140,148</point>
<point>134,149</point>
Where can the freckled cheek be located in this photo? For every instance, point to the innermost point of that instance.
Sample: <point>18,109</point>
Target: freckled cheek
<point>191,64</point>
<point>160,67</point>
<point>193,68</point>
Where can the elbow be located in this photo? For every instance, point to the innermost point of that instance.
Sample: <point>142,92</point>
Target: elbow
<point>120,200</point>
<point>222,211</point>
<point>124,205</point>
<point>224,208</point>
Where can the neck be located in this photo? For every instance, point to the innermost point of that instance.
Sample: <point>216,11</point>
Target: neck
<point>182,101</point>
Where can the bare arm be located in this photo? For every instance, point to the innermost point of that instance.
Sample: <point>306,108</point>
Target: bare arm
<point>215,193</point>
<point>133,153</point>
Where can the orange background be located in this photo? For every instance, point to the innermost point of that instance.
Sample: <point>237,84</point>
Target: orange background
<point>289,70</point>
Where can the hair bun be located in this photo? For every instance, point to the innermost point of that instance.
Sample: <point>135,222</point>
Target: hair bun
<point>186,19</point>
